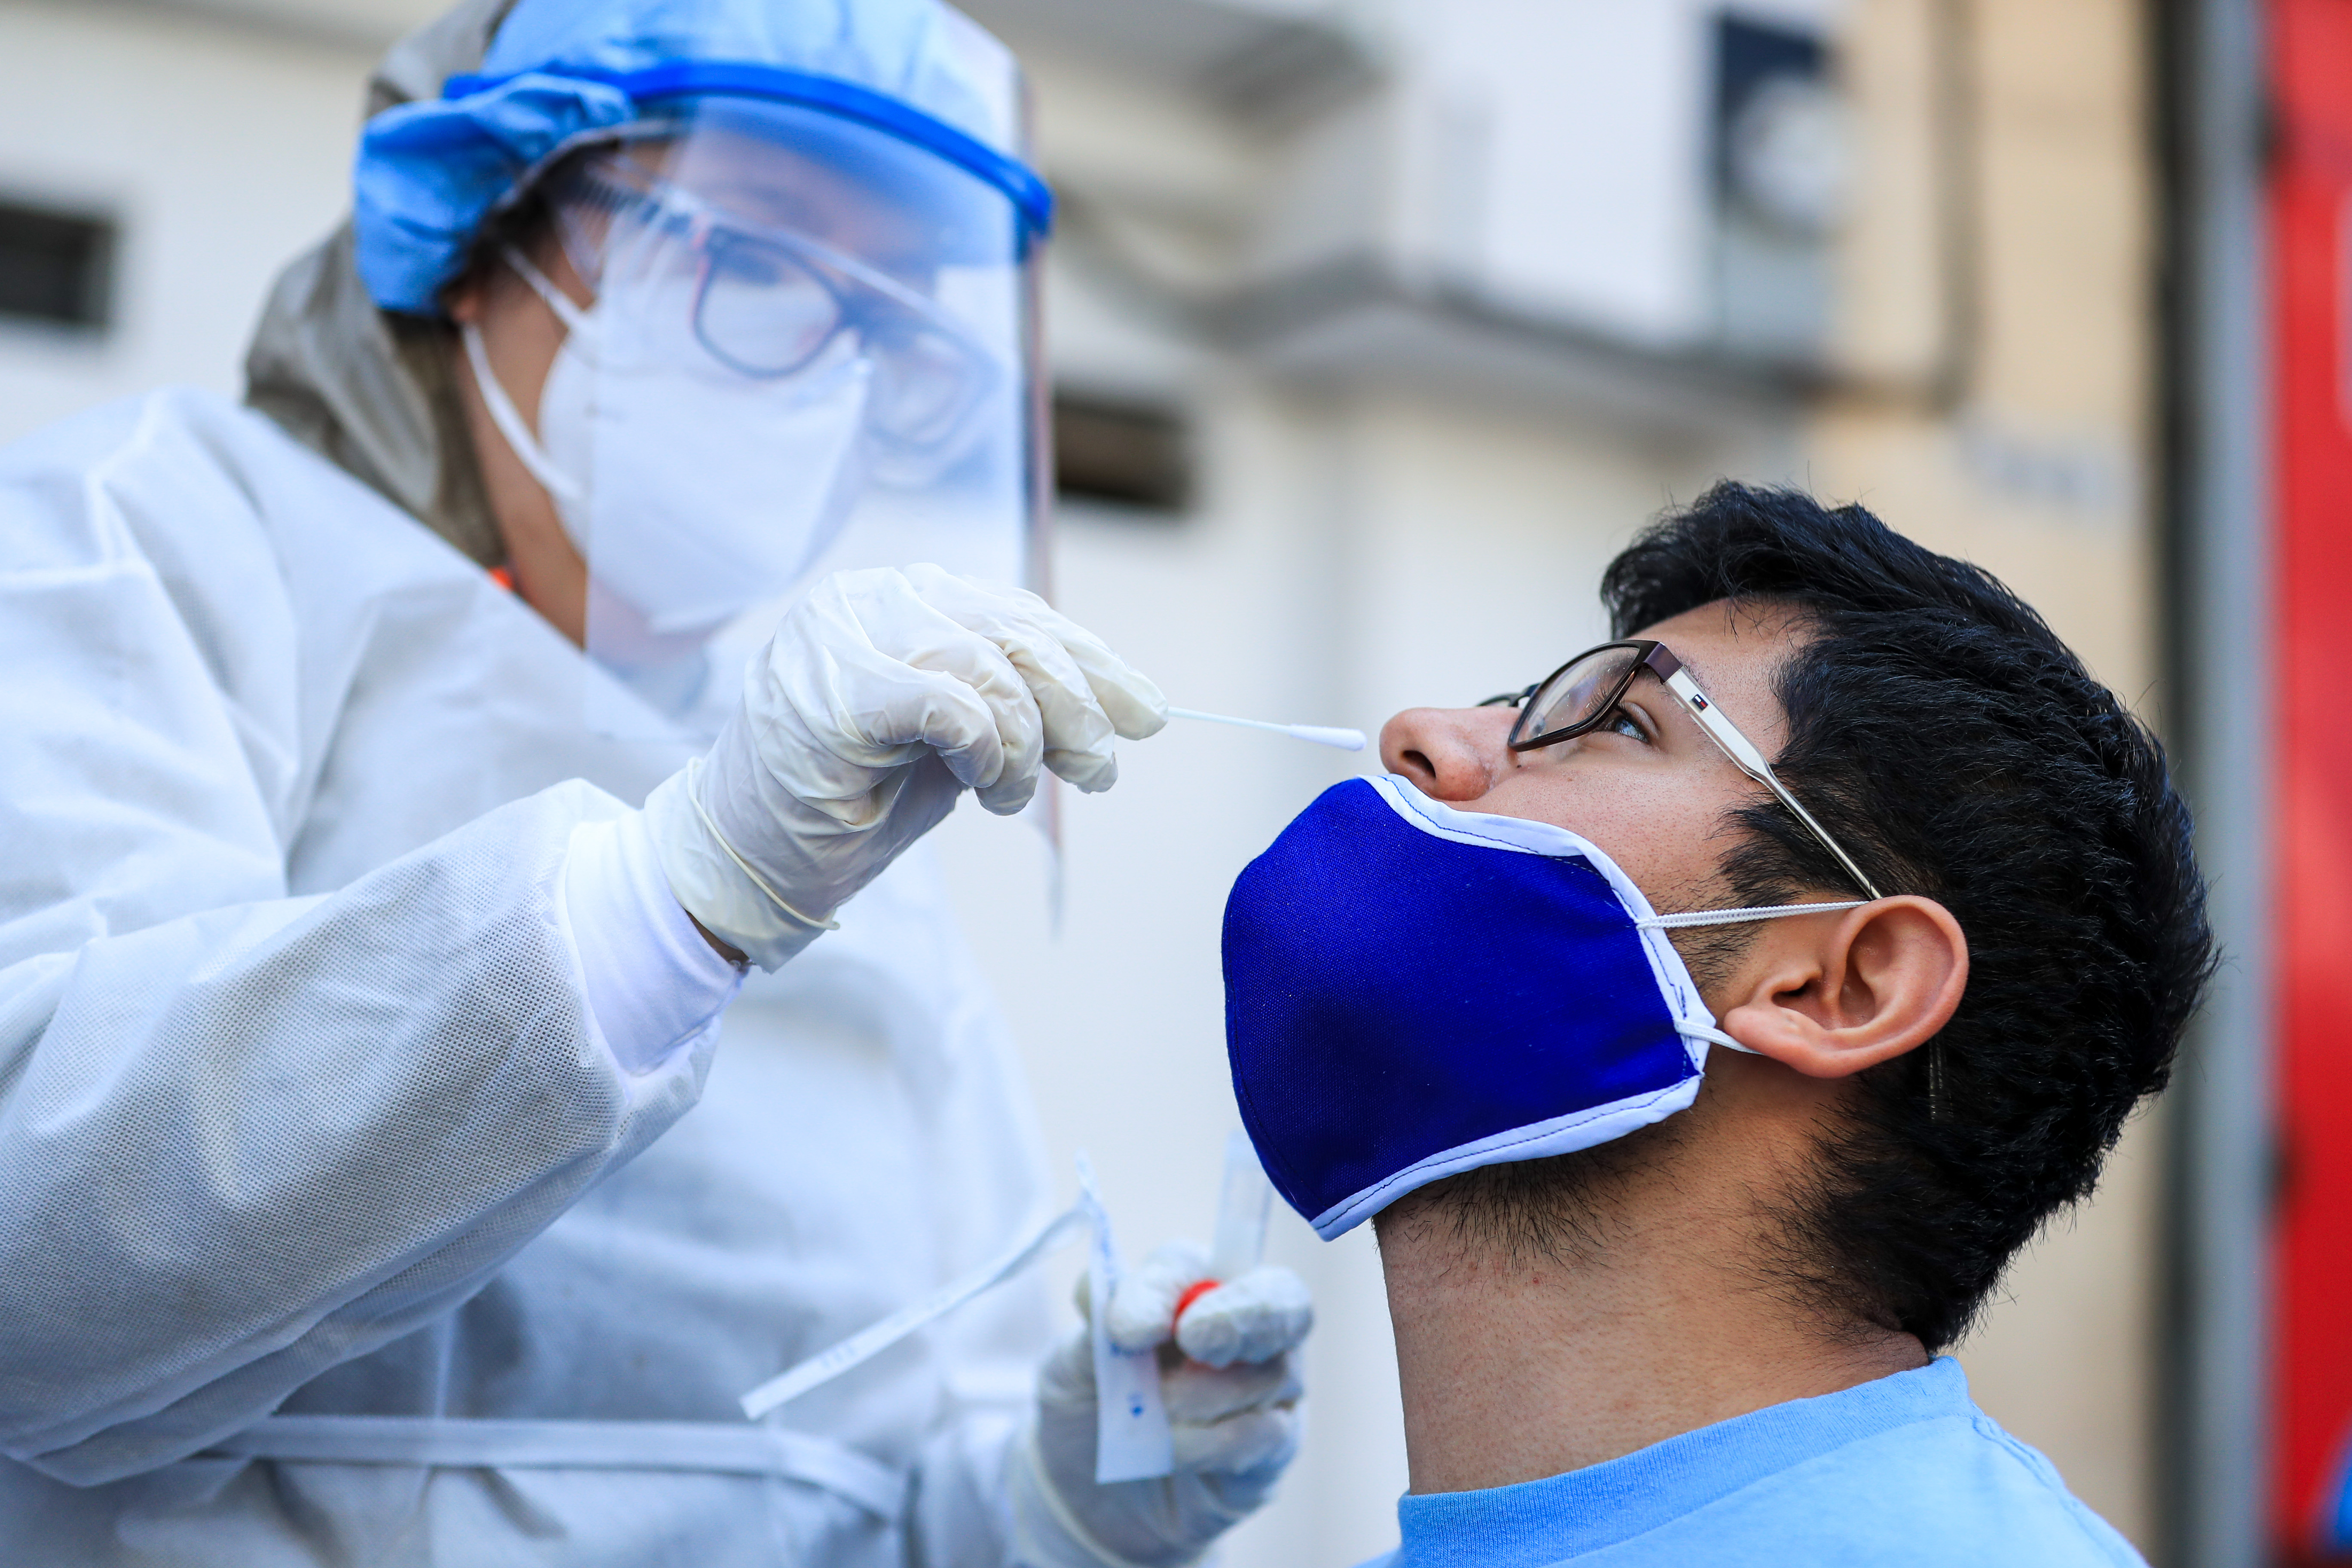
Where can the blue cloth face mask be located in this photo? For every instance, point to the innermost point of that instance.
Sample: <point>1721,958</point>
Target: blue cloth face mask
<point>1411,990</point>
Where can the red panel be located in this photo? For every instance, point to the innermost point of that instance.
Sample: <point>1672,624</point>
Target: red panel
<point>2312,386</point>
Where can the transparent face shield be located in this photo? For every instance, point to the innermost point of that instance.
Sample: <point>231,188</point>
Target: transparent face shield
<point>809,349</point>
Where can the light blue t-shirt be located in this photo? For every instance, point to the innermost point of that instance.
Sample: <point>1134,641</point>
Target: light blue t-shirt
<point>1905,1470</point>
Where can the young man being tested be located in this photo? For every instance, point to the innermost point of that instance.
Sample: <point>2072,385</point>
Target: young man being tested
<point>1705,1028</point>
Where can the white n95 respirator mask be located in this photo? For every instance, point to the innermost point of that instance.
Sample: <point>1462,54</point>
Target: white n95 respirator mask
<point>693,491</point>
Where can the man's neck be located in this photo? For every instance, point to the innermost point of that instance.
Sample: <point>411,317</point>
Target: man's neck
<point>1513,1372</point>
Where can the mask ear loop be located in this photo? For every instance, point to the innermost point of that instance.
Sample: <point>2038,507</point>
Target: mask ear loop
<point>576,320</point>
<point>1780,912</point>
<point>508,419</point>
<point>1742,916</point>
<point>503,413</point>
<point>1736,917</point>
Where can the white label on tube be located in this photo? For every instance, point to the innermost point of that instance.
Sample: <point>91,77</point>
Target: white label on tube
<point>1132,1439</point>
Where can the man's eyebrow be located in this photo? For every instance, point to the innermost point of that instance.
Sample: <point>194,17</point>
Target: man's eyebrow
<point>1697,671</point>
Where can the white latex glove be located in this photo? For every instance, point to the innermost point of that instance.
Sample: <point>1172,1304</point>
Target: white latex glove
<point>1254,1318</point>
<point>1235,1422</point>
<point>882,697</point>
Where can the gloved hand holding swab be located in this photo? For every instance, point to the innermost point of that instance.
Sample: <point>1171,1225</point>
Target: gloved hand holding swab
<point>1344,739</point>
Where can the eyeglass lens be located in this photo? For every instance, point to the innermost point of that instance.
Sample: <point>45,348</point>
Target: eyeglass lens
<point>1579,694</point>
<point>760,309</point>
<point>765,312</point>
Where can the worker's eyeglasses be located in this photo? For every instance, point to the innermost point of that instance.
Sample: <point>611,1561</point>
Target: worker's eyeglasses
<point>767,301</point>
<point>1582,694</point>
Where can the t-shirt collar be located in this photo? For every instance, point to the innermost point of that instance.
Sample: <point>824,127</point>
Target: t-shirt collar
<point>1537,1523</point>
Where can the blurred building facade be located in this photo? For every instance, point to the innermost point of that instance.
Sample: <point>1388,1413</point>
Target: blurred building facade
<point>1378,327</point>
<point>1491,285</point>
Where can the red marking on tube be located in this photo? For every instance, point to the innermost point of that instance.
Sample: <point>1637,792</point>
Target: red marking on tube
<point>503,576</point>
<point>1192,1294</point>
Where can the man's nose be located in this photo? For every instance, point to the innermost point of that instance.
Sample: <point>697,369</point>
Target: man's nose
<point>1449,753</point>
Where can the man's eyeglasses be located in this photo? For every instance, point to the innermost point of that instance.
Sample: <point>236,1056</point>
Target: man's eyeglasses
<point>1582,694</point>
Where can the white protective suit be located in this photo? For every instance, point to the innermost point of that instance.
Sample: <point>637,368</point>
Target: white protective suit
<point>301,1108</point>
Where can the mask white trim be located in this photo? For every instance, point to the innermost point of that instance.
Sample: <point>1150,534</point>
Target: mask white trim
<point>1567,1134</point>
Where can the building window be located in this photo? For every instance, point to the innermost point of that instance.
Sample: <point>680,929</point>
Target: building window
<point>55,267</point>
<point>1129,453</point>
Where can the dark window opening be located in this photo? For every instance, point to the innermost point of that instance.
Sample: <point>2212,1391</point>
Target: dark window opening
<point>56,267</point>
<point>1748,57</point>
<point>1132,454</point>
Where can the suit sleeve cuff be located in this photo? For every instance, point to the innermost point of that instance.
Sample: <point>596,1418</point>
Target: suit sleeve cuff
<point>652,983</point>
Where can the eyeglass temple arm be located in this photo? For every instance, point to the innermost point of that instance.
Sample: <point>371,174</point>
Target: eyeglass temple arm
<point>1750,761</point>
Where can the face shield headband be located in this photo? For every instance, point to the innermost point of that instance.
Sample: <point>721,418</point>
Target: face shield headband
<point>1414,991</point>
<point>675,80</point>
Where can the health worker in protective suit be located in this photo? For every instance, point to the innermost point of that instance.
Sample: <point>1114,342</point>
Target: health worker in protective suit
<point>351,1009</point>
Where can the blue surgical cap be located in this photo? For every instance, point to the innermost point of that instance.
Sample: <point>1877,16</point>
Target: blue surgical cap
<point>562,72</point>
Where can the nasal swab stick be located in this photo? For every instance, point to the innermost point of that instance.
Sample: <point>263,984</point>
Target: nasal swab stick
<point>1344,739</point>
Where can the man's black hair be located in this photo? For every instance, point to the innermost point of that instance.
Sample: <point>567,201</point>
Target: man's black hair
<point>1942,734</point>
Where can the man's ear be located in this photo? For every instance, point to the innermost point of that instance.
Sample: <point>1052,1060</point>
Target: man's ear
<point>1832,996</point>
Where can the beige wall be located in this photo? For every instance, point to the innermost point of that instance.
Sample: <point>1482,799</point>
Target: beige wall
<point>2035,473</point>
